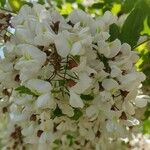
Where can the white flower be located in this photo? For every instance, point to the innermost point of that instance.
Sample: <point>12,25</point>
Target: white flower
<point>141,100</point>
<point>62,43</point>
<point>128,107</point>
<point>38,86</point>
<point>75,100</point>
<point>92,112</point>
<point>110,85</point>
<point>75,88</point>
<point>28,130</point>
<point>45,101</point>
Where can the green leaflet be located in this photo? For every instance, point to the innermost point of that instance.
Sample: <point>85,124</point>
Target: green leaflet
<point>57,112</point>
<point>41,2</point>
<point>77,114</point>
<point>24,90</point>
<point>128,5</point>
<point>87,97</point>
<point>15,4</point>
<point>2,3</point>
<point>146,127</point>
<point>114,32</point>
<point>132,27</point>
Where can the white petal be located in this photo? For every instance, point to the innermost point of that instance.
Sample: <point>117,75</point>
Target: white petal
<point>62,44</point>
<point>75,100</point>
<point>92,112</point>
<point>110,84</point>
<point>76,48</point>
<point>27,131</point>
<point>141,101</point>
<point>115,71</point>
<point>115,47</point>
<point>128,108</point>
<point>38,86</point>
<point>45,101</point>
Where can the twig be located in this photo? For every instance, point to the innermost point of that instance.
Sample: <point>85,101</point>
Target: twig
<point>141,43</point>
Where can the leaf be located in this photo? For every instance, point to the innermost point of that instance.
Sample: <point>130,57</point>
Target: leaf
<point>148,20</point>
<point>97,5</point>
<point>62,82</point>
<point>146,127</point>
<point>114,32</point>
<point>25,90</point>
<point>133,26</point>
<point>70,137</point>
<point>77,114</point>
<point>146,30</point>
<point>57,112</point>
<point>15,4</point>
<point>58,142</point>
<point>42,2</point>
<point>128,5</point>
<point>87,97</point>
<point>2,3</point>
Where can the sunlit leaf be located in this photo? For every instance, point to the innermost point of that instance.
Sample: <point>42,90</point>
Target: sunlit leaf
<point>2,3</point>
<point>116,8</point>
<point>66,9</point>
<point>146,126</point>
<point>15,4</point>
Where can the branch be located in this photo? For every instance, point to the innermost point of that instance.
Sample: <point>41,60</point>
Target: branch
<point>141,43</point>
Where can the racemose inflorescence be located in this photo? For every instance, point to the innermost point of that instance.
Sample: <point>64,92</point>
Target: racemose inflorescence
<point>65,85</point>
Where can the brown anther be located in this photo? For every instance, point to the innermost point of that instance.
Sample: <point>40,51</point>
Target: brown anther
<point>33,117</point>
<point>71,83</point>
<point>123,116</point>
<point>39,133</point>
<point>17,78</point>
<point>5,109</point>
<point>124,93</point>
<point>72,64</point>
<point>6,92</point>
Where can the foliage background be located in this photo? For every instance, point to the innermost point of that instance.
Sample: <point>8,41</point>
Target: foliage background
<point>135,30</point>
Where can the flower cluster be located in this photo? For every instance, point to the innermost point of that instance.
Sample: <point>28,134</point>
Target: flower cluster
<point>65,85</point>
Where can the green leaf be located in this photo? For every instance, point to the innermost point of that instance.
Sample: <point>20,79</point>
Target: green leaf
<point>58,142</point>
<point>148,20</point>
<point>15,4</point>
<point>2,3</point>
<point>97,5</point>
<point>88,97</point>
<point>146,30</point>
<point>27,3</point>
<point>42,2</point>
<point>114,32</point>
<point>128,5</point>
<point>146,127</point>
<point>133,26</point>
<point>62,82</point>
<point>70,137</point>
<point>57,112</point>
<point>77,114</point>
<point>25,90</point>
